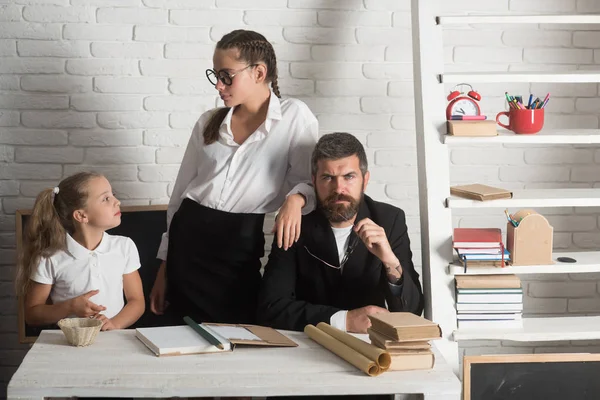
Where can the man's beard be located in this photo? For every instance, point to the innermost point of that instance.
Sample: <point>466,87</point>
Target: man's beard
<point>339,212</point>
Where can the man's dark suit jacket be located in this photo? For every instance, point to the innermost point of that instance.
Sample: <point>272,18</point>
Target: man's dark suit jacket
<point>297,289</point>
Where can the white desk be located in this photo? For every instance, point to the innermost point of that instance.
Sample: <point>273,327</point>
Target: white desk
<point>119,365</point>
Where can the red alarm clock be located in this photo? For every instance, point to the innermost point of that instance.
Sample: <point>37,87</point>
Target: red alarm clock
<point>461,104</point>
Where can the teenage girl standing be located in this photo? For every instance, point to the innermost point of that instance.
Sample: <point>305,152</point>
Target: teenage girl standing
<point>242,161</point>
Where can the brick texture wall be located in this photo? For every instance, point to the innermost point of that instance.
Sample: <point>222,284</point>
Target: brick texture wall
<point>116,86</point>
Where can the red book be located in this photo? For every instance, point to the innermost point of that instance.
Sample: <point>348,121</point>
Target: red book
<point>486,238</point>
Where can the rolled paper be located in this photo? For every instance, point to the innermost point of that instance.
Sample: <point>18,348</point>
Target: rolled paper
<point>380,356</point>
<point>341,350</point>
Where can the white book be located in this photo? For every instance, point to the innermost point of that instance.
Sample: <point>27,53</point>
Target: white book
<point>484,257</point>
<point>484,307</point>
<point>479,251</point>
<point>491,312</point>
<point>179,340</point>
<point>489,298</point>
<point>491,324</point>
<point>489,291</point>
<point>489,316</point>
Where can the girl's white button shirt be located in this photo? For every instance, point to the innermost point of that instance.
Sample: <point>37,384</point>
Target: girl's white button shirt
<point>254,177</point>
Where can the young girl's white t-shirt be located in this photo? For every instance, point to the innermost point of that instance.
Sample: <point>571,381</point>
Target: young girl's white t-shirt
<point>78,270</point>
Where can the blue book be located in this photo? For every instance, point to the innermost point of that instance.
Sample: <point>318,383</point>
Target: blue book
<point>484,256</point>
<point>502,257</point>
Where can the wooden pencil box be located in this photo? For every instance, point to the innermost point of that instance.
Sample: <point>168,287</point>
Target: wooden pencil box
<point>529,243</point>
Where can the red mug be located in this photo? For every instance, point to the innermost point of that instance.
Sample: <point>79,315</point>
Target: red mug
<point>523,120</point>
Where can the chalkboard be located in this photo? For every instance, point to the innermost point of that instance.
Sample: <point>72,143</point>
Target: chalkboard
<point>145,226</point>
<point>532,377</point>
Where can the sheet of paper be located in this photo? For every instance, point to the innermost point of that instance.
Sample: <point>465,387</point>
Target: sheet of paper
<point>234,332</point>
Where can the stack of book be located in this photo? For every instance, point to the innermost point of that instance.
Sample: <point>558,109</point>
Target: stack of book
<point>480,247</point>
<point>406,337</point>
<point>489,301</point>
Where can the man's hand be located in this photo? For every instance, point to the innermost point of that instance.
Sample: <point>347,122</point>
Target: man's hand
<point>357,320</point>
<point>374,238</point>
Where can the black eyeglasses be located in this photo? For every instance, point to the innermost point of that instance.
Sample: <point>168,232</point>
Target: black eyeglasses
<point>225,77</point>
<point>351,246</point>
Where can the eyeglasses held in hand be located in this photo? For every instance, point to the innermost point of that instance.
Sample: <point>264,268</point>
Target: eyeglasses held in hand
<point>225,77</point>
<point>349,251</point>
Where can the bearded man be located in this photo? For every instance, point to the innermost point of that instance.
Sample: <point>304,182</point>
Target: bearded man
<point>352,258</point>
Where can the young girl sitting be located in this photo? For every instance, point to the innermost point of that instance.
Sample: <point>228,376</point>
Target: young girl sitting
<point>70,266</point>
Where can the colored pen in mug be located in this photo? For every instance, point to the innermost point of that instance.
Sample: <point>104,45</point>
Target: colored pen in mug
<point>545,103</point>
<point>545,100</point>
<point>510,100</point>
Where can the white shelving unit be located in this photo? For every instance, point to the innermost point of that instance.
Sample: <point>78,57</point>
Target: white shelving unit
<point>436,204</point>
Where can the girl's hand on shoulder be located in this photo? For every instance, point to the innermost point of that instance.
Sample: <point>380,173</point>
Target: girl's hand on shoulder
<point>83,307</point>
<point>289,220</point>
<point>107,323</point>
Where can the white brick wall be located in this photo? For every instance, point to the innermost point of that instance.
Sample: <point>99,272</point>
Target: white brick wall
<point>116,85</point>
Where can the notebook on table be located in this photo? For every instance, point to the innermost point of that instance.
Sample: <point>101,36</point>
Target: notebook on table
<point>183,339</point>
<point>390,345</point>
<point>412,361</point>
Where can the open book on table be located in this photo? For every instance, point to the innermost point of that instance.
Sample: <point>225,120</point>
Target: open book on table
<point>183,339</point>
